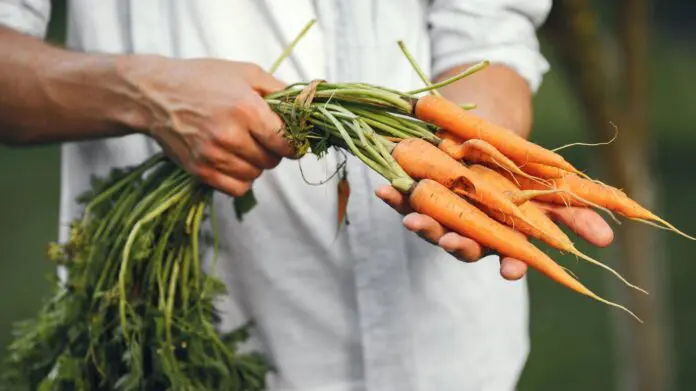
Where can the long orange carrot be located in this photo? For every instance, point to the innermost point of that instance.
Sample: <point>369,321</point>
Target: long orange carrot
<point>445,114</point>
<point>597,193</point>
<point>435,200</point>
<point>422,160</point>
<point>556,238</point>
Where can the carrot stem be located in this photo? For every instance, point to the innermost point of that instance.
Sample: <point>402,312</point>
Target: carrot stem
<point>291,47</point>
<point>467,72</point>
<point>417,68</point>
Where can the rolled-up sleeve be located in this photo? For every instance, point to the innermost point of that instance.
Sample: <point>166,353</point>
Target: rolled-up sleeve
<point>26,16</point>
<point>501,31</point>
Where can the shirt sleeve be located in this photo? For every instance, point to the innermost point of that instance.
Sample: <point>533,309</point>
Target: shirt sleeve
<point>501,31</point>
<point>26,16</point>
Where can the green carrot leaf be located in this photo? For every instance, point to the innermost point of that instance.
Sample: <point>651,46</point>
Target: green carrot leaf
<point>244,204</point>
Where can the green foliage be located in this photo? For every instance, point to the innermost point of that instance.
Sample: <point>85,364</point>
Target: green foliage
<point>135,312</point>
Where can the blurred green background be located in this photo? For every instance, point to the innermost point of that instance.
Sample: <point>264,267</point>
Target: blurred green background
<point>572,343</point>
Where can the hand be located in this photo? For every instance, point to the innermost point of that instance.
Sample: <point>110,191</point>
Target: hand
<point>583,221</point>
<point>209,116</point>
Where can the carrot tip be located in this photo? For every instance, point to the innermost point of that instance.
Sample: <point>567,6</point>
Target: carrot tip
<point>619,306</point>
<point>664,225</point>
<point>614,272</point>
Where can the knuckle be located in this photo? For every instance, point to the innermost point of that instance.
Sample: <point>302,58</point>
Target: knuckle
<point>229,139</point>
<point>208,152</point>
<point>202,171</point>
<point>247,110</point>
<point>270,162</point>
<point>252,69</point>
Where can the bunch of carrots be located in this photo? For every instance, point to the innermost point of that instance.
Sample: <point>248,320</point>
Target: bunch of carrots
<point>136,258</point>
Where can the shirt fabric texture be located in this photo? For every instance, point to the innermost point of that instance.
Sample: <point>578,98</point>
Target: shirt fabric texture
<point>372,307</point>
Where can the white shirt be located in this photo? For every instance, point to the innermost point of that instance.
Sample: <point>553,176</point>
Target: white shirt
<point>373,307</point>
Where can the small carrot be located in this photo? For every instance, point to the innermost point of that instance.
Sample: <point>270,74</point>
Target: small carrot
<point>598,194</point>
<point>435,200</point>
<point>445,114</point>
<point>343,191</point>
<point>477,151</point>
<point>519,197</point>
<point>556,237</point>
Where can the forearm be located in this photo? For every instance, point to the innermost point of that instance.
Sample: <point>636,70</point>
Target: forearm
<point>501,95</point>
<point>53,95</point>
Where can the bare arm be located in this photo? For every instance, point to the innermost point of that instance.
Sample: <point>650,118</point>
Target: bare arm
<point>51,94</point>
<point>206,114</point>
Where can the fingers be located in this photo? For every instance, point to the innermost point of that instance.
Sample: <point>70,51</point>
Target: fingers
<point>227,184</point>
<point>512,269</point>
<point>394,198</point>
<point>231,164</point>
<point>585,222</point>
<point>242,144</point>
<point>263,124</point>
<point>425,226</point>
<point>463,248</point>
<point>460,247</point>
<point>270,130</point>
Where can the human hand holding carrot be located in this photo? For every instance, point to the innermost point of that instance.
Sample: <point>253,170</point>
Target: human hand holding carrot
<point>209,116</point>
<point>585,222</point>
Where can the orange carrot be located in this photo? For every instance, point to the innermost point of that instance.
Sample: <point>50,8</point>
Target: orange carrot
<point>343,189</point>
<point>596,193</point>
<point>476,151</point>
<point>543,171</point>
<point>435,200</point>
<point>422,160</point>
<point>555,238</point>
<point>445,114</point>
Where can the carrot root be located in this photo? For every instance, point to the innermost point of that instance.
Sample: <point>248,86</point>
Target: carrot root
<point>616,134</point>
<point>663,224</point>
<point>595,262</point>
<point>619,306</point>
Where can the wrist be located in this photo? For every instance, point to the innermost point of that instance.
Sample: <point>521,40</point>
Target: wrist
<point>139,111</point>
<point>91,89</point>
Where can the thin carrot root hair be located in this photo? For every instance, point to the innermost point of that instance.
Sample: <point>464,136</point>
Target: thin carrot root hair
<point>664,224</point>
<point>613,138</point>
<point>592,204</point>
<point>521,173</point>
<point>572,273</point>
<point>619,306</point>
<point>573,250</point>
<point>566,202</point>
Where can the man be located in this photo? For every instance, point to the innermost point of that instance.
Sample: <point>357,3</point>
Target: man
<point>375,308</point>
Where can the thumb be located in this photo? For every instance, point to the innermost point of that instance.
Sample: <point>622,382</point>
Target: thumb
<point>261,81</point>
